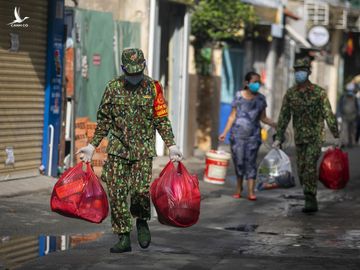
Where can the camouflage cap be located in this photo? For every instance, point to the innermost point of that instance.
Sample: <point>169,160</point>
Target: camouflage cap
<point>302,63</point>
<point>133,60</point>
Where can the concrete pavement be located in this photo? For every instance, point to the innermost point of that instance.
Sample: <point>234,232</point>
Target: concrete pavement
<point>28,185</point>
<point>271,233</point>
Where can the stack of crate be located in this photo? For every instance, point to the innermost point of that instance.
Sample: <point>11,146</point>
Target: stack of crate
<point>84,133</point>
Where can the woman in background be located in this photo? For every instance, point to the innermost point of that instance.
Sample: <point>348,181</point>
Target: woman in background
<point>248,109</point>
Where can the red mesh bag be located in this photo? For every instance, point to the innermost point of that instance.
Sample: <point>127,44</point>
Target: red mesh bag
<point>334,169</point>
<point>176,196</point>
<point>79,193</point>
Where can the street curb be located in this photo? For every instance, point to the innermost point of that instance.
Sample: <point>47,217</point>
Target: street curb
<point>23,192</point>
<point>26,186</point>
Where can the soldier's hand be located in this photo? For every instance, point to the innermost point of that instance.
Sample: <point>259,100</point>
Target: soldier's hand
<point>175,154</point>
<point>339,120</point>
<point>86,153</point>
<point>338,143</point>
<point>276,144</point>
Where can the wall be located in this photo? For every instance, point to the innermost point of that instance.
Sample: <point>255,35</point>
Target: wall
<point>261,57</point>
<point>193,92</point>
<point>204,97</point>
<point>122,10</point>
<point>334,70</point>
<point>325,69</point>
<point>280,85</point>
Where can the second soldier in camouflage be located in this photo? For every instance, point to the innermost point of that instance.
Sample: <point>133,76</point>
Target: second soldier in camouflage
<point>309,107</point>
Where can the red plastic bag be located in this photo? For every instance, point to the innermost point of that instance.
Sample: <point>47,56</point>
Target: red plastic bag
<point>176,196</point>
<point>334,169</point>
<point>79,193</point>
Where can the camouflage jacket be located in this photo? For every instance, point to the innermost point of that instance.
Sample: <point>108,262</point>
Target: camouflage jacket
<point>132,117</point>
<point>308,109</point>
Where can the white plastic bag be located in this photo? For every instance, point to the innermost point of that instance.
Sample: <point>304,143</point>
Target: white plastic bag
<point>275,171</point>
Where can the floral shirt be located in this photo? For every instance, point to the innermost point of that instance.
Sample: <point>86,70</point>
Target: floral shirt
<point>248,113</point>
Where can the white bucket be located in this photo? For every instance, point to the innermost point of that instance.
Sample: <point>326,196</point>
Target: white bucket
<point>216,166</point>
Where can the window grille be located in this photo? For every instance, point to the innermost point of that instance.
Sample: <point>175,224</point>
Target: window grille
<point>317,13</point>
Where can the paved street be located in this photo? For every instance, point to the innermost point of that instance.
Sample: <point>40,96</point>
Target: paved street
<point>271,233</point>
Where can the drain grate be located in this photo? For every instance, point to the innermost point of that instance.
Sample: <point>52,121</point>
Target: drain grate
<point>243,228</point>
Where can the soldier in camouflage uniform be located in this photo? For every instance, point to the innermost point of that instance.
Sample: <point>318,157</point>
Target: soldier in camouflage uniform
<point>308,105</point>
<point>131,110</point>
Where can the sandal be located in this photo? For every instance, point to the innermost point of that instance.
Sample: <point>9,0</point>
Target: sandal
<point>252,198</point>
<point>236,196</point>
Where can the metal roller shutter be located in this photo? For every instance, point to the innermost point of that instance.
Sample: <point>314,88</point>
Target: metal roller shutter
<point>22,78</point>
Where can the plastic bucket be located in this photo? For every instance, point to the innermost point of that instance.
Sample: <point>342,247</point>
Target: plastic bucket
<point>216,166</point>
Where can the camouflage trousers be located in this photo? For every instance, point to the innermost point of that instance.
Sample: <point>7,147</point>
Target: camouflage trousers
<point>307,156</point>
<point>123,178</point>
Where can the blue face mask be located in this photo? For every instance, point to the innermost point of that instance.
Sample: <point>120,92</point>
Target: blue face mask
<point>254,87</point>
<point>301,76</point>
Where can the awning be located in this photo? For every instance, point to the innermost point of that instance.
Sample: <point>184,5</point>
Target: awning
<point>297,36</point>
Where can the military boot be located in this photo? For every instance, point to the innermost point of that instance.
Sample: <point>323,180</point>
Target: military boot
<point>124,244</point>
<point>143,232</point>
<point>311,204</point>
